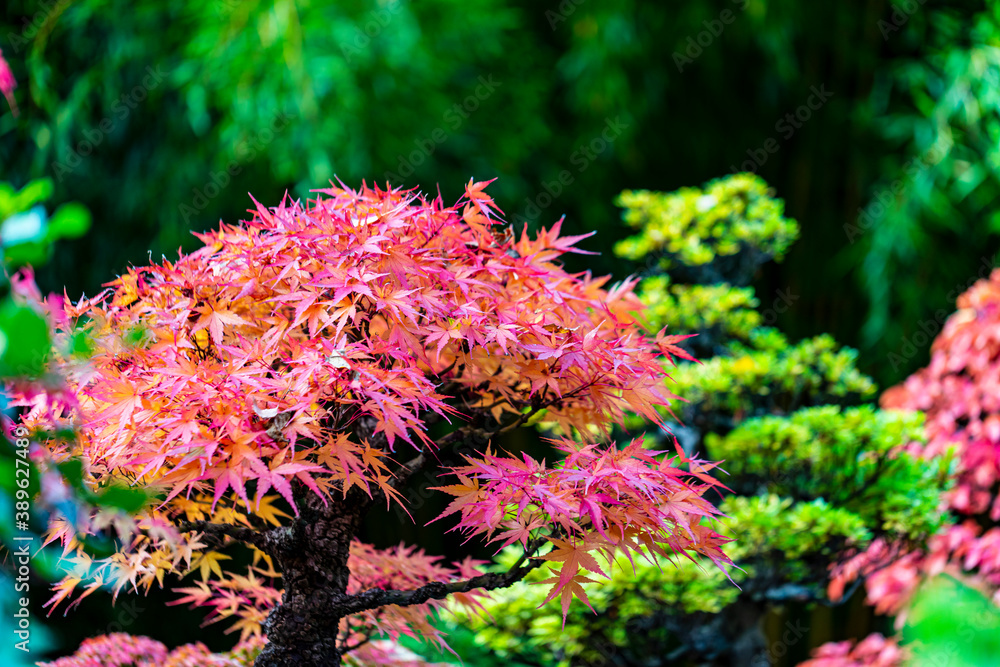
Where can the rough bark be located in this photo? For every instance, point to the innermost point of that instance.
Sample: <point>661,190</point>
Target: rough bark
<point>302,630</point>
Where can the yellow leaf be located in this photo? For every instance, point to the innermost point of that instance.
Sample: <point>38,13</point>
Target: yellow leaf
<point>200,338</point>
<point>127,291</point>
<point>209,563</point>
<point>268,512</point>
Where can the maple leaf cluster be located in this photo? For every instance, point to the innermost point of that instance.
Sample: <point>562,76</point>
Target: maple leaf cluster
<point>305,353</point>
<point>123,650</point>
<point>598,498</point>
<point>872,651</point>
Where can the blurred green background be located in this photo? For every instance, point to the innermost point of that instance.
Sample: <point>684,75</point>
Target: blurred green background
<point>160,117</point>
<point>878,123</point>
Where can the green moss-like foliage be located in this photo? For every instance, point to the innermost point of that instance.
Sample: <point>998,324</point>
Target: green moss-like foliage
<point>703,227</point>
<point>721,311</point>
<point>765,376</point>
<point>521,625</point>
<point>852,458</point>
<point>770,375</point>
<point>778,532</point>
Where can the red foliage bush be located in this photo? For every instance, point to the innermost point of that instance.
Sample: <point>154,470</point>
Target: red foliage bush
<point>959,393</point>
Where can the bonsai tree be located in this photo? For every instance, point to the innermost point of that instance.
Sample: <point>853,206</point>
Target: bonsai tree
<point>808,477</point>
<point>271,388</point>
<point>956,394</point>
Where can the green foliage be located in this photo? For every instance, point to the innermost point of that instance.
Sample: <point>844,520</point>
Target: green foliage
<point>705,227</point>
<point>769,375</point>
<point>951,624</point>
<point>851,458</point>
<point>17,201</point>
<point>518,627</point>
<point>779,533</point>
<point>24,341</point>
<point>719,311</point>
<point>26,235</point>
<point>939,112</point>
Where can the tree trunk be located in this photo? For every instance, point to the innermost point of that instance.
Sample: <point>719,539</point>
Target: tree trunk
<point>732,638</point>
<point>750,645</point>
<point>302,630</point>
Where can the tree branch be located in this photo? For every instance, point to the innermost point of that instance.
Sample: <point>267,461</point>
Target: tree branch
<point>376,597</point>
<point>215,532</point>
<point>465,435</point>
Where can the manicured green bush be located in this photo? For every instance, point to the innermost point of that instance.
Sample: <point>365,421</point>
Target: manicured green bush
<point>850,458</point>
<point>730,223</point>
<point>721,310</point>
<point>770,375</point>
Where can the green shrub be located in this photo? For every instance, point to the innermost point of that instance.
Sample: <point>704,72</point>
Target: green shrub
<point>770,375</point>
<point>850,458</point>
<point>719,312</point>
<point>707,228</point>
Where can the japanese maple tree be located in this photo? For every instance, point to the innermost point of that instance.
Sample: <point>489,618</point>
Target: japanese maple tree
<point>274,386</point>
